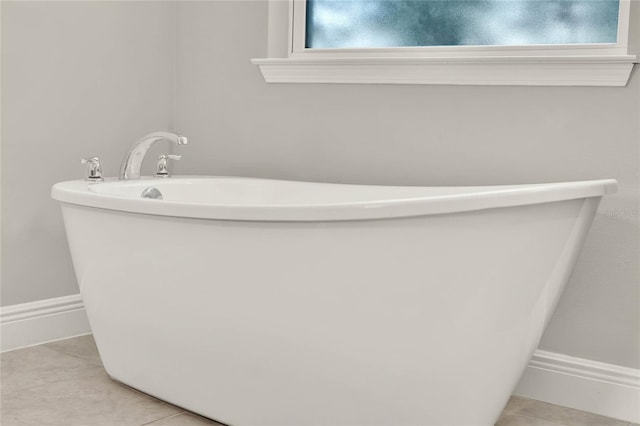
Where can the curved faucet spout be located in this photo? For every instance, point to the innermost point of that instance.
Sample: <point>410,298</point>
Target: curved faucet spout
<point>130,168</point>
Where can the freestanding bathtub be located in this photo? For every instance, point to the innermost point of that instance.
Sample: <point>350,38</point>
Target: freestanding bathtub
<point>264,302</point>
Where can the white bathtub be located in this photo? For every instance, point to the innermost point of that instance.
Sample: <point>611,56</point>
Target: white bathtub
<point>263,302</point>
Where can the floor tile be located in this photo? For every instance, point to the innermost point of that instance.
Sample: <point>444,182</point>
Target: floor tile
<point>558,414</point>
<point>82,347</point>
<point>36,366</point>
<point>512,419</point>
<point>12,421</point>
<point>78,397</point>
<point>184,419</point>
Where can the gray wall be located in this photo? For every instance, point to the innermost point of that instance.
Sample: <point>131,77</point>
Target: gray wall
<point>78,79</point>
<point>424,135</point>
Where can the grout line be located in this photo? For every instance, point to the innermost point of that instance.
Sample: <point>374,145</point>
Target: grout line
<point>162,418</point>
<point>213,421</point>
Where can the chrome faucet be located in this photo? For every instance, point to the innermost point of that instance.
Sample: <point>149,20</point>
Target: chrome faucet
<point>130,168</point>
<point>94,169</point>
<point>162,167</point>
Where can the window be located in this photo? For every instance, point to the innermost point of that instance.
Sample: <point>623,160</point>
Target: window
<point>402,23</point>
<point>515,42</point>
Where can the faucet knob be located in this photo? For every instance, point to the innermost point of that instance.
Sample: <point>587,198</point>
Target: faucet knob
<point>94,169</point>
<point>162,168</point>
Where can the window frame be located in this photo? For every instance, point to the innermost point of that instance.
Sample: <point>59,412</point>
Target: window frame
<point>297,29</point>
<point>605,64</point>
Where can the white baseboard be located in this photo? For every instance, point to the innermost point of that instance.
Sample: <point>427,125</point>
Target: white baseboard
<point>596,387</point>
<point>42,321</point>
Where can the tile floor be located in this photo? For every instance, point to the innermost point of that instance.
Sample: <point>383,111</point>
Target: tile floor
<point>63,384</point>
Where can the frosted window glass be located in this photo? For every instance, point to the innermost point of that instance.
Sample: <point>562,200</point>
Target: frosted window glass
<point>397,23</point>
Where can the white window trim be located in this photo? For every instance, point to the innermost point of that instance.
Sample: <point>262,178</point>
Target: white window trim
<point>558,65</point>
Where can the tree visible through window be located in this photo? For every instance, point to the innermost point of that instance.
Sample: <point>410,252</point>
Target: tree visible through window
<point>404,23</point>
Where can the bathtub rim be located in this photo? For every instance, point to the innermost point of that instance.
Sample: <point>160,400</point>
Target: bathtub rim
<point>481,198</point>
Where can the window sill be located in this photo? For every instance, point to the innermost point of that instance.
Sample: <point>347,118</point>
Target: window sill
<point>506,71</point>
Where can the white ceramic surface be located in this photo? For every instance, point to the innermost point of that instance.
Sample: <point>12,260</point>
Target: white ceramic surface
<point>260,302</point>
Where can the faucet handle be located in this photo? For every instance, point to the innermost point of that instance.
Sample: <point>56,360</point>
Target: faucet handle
<point>162,169</point>
<point>94,169</point>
